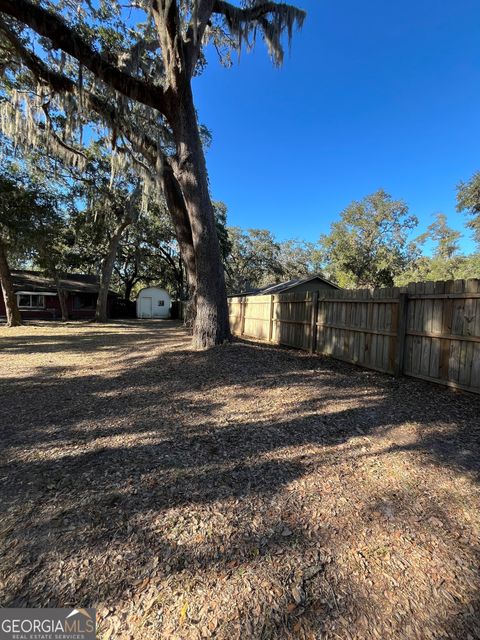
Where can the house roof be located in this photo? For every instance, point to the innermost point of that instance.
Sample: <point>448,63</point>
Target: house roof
<point>284,287</point>
<point>35,281</point>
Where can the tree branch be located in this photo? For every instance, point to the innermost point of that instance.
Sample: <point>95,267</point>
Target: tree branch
<point>63,37</point>
<point>166,17</point>
<point>195,32</point>
<point>62,84</point>
<point>272,18</point>
<point>140,141</point>
<point>168,258</point>
<point>257,12</point>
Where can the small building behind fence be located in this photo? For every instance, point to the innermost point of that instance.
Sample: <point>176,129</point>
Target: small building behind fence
<point>299,285</point>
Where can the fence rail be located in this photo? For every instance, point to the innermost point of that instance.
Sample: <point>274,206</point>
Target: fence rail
<point>428,330</point>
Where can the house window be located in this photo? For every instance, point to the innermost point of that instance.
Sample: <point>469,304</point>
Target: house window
<point>161,303</point>
<point>30,301</point>
<point>85,301</point>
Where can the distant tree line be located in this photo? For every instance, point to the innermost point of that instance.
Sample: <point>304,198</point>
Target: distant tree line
<point>370,245</point>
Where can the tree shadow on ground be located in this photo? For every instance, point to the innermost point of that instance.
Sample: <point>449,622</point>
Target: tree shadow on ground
<point>163,468</point>
<point>88,338</point>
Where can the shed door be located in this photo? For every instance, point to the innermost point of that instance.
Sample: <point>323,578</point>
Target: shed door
<point>145,307</point>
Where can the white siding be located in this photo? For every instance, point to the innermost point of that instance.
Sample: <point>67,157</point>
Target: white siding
<point>153,302</point>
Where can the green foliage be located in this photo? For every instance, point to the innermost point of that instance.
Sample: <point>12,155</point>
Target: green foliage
<point>220,209</point>
<point>369,245</point>
<point>468,201</point>
<point>299,259</point>
<point>468,267</point>
<point>446,262</point>
<point>445,238</point>
<point>30,219</point>
<point>433,268</point>
<point>148,254</point>
<point>253,259</point>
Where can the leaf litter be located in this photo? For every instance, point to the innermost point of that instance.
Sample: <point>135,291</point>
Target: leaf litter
<point>241,492</point>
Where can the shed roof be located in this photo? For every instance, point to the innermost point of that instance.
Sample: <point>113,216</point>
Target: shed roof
<point>36,281</point>
<point>153,286</point>
<point>284,287</point>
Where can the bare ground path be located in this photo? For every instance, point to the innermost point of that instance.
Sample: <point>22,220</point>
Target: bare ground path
<point>244,492</point>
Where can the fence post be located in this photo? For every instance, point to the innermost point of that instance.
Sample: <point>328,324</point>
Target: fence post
<point>270,323</point>
<point>313,322</point>
<point>401,332</point>
<point>242,315</point>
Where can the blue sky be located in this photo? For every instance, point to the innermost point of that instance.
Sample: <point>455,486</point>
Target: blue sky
<point>374,94</point>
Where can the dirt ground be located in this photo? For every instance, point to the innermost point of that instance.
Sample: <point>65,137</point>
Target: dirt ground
<point>244,492</point>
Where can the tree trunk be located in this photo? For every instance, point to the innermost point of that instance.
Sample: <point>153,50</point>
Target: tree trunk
<point>14,318</point>
<point>170,187</point>
<point>211,325</point>
<point>128,290</point>
<point>101,312</point>
<point>62,297</point>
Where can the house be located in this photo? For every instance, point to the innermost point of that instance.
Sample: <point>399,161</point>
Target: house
<point>300,285</point>
<point>153,302</point>
<point>37,296</point>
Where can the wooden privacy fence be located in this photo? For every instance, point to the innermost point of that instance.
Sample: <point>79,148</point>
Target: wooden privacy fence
<point>428,330</point>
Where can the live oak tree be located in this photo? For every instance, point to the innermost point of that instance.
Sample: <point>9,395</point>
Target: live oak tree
<point>446,262</point>
<point>122,211</point>
<point>137,78</point>
<point>37,221</point>
<point>99,184</point>
<point>369,245</point>
<point>252,259</point>
<point>9,194</point>
<point>100,195</point>
<point>148,254</point>
<point>299,259</point>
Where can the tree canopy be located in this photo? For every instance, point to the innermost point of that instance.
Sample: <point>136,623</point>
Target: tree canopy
<point>446,261</point>
<point>368,246</point>
<point>256,258</point>
<point>468,201</point>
